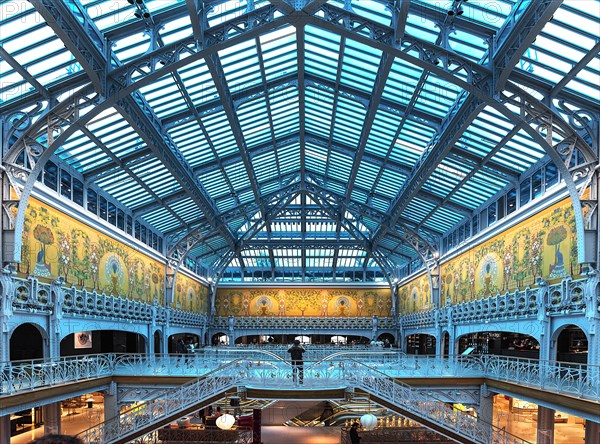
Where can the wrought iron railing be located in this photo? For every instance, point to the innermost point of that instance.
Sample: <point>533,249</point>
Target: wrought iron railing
<point>22,376</point>
<point>424,406</point>
<point>271,368</point>
<point>396,435</point>
<point>167,405</point>
<point>32,295</point>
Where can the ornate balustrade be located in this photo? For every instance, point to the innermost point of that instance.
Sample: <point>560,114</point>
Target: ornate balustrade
<point>425,406</point>
<point>271,369</point>
<point>565,297</point>
<point>167,406</point>
<point>31,295</point>
<point>299,323</point>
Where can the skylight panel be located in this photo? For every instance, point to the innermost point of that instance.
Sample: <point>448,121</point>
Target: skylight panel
<point>374,11</point>
<point>222,12</point>
<point>15,87</point>
<point>340,166</point>
<point>129,47</point>
<point>289,158</point>
<point>279,53</point>
<point>237,175</point>
<point>175,30</point>
<point>417,209</point>
<point>422,28</point>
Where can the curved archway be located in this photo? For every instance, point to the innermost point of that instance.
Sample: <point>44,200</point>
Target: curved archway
<point>503,343</point>
<point>388,339</point>
<point>420,344</point>
<point>219,339</point>
<point>27,342</point>
<point>571,345</point>
<point>191,342</point>
<point>102,341</point>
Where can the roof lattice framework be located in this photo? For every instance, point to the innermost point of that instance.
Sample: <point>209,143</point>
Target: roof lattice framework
<point>309,139</point>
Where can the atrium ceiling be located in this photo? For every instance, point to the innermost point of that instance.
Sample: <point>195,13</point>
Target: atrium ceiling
<point>300,140</point>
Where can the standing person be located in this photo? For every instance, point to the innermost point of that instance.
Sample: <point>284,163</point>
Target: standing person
<point>181,351</point>
<point>354,438</point>
<point>296,351</point>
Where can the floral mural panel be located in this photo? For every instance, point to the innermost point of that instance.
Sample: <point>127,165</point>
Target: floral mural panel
<point>414,296</point>
<point>190,295</point>
<point>309,302</point>
<point>543,246</point>
<point>55,244</point>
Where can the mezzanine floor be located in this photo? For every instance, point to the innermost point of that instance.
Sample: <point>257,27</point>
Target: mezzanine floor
<point>520,423</point>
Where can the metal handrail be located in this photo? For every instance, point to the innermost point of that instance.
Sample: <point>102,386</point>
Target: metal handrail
<point>164,405</point>
<point>427,406</point>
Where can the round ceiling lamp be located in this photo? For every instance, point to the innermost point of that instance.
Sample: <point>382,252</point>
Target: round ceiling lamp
<point>368,421</point>
<point>225,422</point>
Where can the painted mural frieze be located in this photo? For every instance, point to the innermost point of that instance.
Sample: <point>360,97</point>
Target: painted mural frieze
<point>543,246</point>
<point>303,302</point>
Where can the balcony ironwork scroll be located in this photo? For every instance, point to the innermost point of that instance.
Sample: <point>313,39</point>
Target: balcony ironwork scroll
<point>298,323</point>
<point>270,368</point>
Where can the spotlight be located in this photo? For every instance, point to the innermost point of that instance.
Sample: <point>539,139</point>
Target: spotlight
<point>131,2</point>
<point>459,12</point>
<point>146,15</point>
<point>139,2</point>
<point>137,14</point>
<point>450,12</point>
<point>436,62</point>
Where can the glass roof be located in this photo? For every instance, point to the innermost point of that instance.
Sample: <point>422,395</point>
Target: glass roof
<point>286,145</point>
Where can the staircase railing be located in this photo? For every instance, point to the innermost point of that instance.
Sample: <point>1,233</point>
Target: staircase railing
<point>425,406</point>
<point>167,405</point>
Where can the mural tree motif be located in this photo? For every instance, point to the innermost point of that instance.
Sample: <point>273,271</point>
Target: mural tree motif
<point>555,237</point>
<point>65,253</point>
<point>507,266</point>
<point>303,299</point>
<point>535,254</point>
<point>44,235</point>
<point>520,256</point>
<point>95,264</point>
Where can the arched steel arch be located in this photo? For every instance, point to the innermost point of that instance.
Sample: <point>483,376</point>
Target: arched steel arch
<point>540,122</point>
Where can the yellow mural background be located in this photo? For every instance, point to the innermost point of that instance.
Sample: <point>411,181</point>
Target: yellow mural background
<point>190,295</point>
<point>55,244</point>
<point>290,302</point>
<point>542,246</point>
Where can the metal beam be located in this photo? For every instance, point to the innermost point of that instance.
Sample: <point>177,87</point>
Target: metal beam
<point>148,127</point>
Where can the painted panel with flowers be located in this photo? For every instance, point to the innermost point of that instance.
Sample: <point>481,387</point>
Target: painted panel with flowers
<point>55,244</point>
<point>543,246</point>
<point>190,295</point>
<point>309,302</point>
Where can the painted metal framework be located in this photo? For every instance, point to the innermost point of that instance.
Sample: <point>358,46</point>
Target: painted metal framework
<point>271,140</point>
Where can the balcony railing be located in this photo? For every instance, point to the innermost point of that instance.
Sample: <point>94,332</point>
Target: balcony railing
<point>271,369</point>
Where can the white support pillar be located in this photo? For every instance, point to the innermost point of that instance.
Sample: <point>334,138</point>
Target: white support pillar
<point>7,291</point>
<point>56,316</point>
<point>486,408</point>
